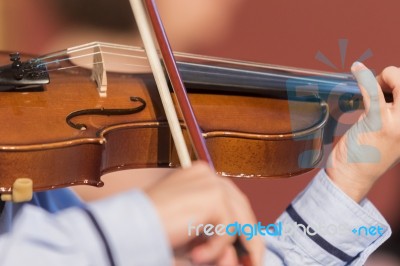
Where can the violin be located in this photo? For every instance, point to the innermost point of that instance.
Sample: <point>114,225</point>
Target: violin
<point>71,116</point>
<point>68,122</point>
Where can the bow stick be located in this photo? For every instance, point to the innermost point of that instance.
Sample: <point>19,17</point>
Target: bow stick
<point>150,45</point>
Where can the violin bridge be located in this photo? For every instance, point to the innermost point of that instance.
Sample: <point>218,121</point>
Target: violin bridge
<point>99,72</point>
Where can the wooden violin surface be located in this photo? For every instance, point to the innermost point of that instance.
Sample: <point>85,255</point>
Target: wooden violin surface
<point>247,135</point>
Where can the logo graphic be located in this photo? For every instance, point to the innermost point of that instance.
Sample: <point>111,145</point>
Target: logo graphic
<point>368,231</point>
<point>343,43</point>
<point>342,95</point>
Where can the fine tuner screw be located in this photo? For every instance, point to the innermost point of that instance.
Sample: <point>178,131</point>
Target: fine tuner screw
<point>16,65</point>
<point>14,57</point>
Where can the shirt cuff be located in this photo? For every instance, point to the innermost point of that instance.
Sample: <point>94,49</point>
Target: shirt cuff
<point>332,228</point>
<point>133,229</point>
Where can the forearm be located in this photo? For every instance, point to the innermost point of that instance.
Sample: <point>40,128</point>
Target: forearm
<point>128,223</point>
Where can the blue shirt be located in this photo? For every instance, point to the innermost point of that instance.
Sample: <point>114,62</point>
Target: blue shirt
<point>127,229</point>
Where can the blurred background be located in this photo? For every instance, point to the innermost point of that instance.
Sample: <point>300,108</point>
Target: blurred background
<point>290,33</point>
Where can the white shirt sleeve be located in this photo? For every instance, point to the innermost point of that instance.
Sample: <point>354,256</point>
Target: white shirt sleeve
<point>323,226</point>
<point>126,230</point>
<point>127,225</point>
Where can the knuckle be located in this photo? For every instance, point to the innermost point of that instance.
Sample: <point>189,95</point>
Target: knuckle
<point>215,188</point>
<point>390,72</point>
<point>201,165</point>
<point>389,69</point>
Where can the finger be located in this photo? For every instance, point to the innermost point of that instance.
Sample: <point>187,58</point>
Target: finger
<point>214,250</point>
<point>214,247</point>
<point>367,83</point>
<point>389,80</point>
<point>373,97</point>
<point>228,257</point>
<point>245,216</point>
<point>198,168</point>
<point>198,172</point>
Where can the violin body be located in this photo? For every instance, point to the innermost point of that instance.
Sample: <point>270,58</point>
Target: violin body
<point>247,135</point>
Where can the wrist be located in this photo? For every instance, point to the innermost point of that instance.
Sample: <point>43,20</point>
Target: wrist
<point>349,182</point>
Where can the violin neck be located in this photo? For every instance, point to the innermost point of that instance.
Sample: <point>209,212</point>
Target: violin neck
<point>291,83</point>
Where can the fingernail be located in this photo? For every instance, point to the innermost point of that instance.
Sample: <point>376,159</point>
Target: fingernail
<point>357,66</point>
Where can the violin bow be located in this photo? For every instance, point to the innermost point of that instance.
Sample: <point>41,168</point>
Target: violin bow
<point>195,135</point>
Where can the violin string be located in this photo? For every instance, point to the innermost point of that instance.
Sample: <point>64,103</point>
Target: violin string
<point>146,67</point>
<point>99,46</point>
<point>91,55</point>
<point>93,46</point>
<point>59,61</point>
<point>131,49</point>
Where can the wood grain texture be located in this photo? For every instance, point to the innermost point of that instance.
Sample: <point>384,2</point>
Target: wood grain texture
<point>248,136</point>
